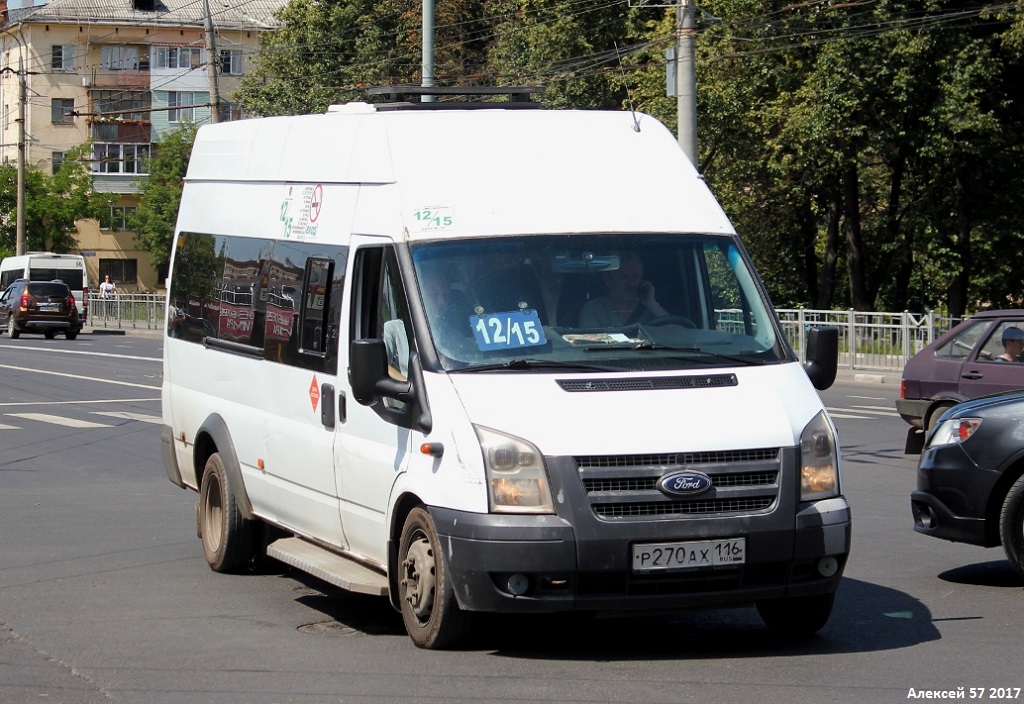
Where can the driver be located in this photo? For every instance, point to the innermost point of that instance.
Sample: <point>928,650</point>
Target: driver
<point>629,299</point>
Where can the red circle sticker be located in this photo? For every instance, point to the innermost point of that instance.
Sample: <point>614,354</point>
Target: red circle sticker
<point>315,202</point>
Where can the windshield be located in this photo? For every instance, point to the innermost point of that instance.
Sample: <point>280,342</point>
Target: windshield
<point>601,302</point>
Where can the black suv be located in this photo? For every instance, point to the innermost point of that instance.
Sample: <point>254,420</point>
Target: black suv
<point>39,306</point>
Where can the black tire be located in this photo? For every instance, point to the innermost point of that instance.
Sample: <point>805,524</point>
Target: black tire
<point>228,538</point>
<point>797,617</point>
<point>12,330</point>
<point>431,614</point>
<point>933,419</point>
<point>71,334</point>
<point>1011,526</point>
<point>50,334</point>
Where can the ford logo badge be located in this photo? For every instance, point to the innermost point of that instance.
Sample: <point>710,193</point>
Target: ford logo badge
<point>684,483</point>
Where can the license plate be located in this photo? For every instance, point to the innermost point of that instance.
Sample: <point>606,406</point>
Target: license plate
<point>660,557</point>
<point>49,306</point>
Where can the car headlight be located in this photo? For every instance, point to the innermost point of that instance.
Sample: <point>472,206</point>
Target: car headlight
<point>819,460</point>
<point>517,481</point>
<point>954,431</point>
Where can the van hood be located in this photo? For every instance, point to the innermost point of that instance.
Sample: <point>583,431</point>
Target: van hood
<point>767,407</point>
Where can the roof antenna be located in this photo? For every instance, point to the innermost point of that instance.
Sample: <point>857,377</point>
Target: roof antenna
<point>629,96</point>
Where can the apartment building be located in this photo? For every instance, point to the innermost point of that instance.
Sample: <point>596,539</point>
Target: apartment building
<point>118,74</point>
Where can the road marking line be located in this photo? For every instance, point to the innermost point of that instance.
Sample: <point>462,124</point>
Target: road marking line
<point>59,420</point>
<point>9,427</point>
<point>79,376</point>
<point>90,354</point>
<point>845,415</point>
<point>130,416</point>
<point>91,402</point>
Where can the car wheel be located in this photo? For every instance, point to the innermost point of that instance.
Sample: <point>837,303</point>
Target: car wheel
<point>228,538</point>
<point>933,419</point>
<point>12,330</point>
<point>1011,526</point>
<point>71,334</point>
<point>50,334</point>
<point>432,616</point>
<point>797,617</point>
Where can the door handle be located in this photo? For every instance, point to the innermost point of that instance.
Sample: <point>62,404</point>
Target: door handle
<point>972,375</point>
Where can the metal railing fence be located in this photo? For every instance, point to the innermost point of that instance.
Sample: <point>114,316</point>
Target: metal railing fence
<point>870,341</point>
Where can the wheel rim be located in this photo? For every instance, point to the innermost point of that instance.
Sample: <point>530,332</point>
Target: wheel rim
<point>213,515</point>
<point>419,577</point>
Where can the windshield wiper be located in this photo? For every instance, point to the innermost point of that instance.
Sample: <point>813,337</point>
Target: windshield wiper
<point>699,354</point>
<point>518,365</point>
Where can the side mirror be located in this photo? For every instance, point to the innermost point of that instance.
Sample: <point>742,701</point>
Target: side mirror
<point>368,364</point>
<point>822,360</point>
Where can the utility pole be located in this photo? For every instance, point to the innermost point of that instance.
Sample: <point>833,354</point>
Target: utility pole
<point>428,49</point>
<point>212,64</point>
<point>686,79</point>
<point>19,247</point>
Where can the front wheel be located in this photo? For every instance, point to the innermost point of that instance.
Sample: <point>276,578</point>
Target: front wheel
<point>798,616</point>
<point>432,616</point>
<point>1011,526</point>
<point>228,538</point>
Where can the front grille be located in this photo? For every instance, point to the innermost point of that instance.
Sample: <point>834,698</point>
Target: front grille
<point>624,487</point>
<point>655,383</point>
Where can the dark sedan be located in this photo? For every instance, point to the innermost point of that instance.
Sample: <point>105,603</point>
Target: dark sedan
<point>970,478</point>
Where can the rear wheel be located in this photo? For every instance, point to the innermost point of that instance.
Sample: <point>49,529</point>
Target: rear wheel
<point>797,617</point>
<point>12,329</point>
<point>50,334</point>
<point>228,538</point>
<point>431,615</point>
<point>71,334</point>
<point>1011,526</point>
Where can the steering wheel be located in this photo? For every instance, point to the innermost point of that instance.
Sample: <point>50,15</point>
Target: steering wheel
<point>672,320</point>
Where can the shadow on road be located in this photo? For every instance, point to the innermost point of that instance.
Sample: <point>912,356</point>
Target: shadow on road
<point>996,573</point>
<point>866,618</point>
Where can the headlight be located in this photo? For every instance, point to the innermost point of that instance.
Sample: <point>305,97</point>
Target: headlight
<point>516,479</point>
<point>954,431</point>
<point>819,460</point>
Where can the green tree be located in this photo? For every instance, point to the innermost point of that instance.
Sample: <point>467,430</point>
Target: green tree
<point>160,193</point>
<point>53,205</point>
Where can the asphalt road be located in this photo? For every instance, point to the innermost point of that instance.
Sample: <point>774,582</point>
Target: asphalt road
<point>105,597</point>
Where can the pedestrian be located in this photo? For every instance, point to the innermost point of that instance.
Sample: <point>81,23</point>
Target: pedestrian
<point>107,292</point>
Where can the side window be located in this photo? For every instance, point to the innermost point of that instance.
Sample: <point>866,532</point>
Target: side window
<point>195,295</point>
<point>314,308</point>
<point>959,346</point>
<point>1005,344</point>
<point>383,313</point>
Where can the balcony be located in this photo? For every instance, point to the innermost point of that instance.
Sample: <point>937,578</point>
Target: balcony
<point>106,78</point>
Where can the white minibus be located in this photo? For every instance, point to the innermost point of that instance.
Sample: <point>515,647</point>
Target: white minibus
<point>492,359</point>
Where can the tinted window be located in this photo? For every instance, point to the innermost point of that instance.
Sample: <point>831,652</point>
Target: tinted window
<point>72,277</point>
<point>47,289</point>
<point>259,293</point>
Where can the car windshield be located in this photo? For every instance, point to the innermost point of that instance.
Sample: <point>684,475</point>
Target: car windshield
<point>594,302</point>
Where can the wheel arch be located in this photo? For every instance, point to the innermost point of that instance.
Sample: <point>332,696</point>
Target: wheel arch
<point>213,436</point>
<point>403,506</point>
<point>997,497</point>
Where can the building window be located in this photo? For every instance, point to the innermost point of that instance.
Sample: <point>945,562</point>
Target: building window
<point>118,158</point>
<point>182,107</point>
<point>107,102</point>
<point>182,57</point>
<point>229,112</point>
<point>122,271</point>
<point>61,109</point>
<point>119,215</point>
<point>231,62</point>
<point>124,58</point>
<point>57,158</point>
<point>63,57</point>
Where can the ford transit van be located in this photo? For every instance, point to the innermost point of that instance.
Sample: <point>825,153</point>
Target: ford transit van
<point>492,359</point>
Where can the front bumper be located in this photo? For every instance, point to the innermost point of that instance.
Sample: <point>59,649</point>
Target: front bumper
<point>952,497</point>
<point>577,561</point>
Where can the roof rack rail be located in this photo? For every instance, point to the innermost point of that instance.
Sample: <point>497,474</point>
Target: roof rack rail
<point>406,97</point>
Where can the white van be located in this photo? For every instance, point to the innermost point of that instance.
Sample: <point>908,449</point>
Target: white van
<point>492,360</point>
<point>47,266</point>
